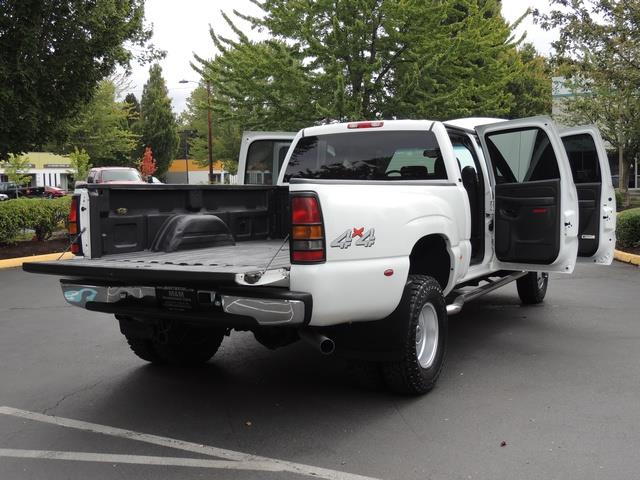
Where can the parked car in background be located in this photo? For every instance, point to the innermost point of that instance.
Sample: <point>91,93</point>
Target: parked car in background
<point>54,192</point>
<point>31,192</point>
<point>115,175</point>
<point>9,189</point>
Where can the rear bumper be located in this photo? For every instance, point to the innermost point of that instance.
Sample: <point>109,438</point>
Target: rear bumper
<point>229,306</point>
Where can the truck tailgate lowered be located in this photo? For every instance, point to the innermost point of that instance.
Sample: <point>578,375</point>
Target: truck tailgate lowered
<point>216,265</point>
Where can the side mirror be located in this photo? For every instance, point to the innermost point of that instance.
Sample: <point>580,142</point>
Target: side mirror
<point>89,180</point>
<point>149,179</point>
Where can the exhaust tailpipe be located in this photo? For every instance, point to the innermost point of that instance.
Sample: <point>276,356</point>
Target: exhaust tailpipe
<point>325,345</point>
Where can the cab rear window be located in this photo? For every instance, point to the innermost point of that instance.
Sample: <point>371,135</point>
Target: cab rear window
<point>379,155</point>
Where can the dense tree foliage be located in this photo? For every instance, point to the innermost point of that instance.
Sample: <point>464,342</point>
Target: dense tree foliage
<point>354,59</point>
<point>134,109</point>
<point>157,125</point>
<point>102,129</point>
<point>80,164</point>
<point>531,87</point>
<point>599,50</point>
<point>227,131</point>
<point>53,53</point>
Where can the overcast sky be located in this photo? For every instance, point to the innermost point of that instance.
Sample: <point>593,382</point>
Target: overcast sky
<point>182,28</point>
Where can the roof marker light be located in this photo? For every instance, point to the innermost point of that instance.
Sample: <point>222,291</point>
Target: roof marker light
<point>365,125</point>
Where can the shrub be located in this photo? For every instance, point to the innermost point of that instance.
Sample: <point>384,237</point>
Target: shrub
<point>41,215</point>
<point>628,228</point>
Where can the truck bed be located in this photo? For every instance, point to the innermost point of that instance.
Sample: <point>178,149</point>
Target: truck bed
<point>217,265</point>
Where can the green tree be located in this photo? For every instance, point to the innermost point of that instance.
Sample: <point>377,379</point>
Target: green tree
<point>353,59</point>
<point>102,129</point>
<point>157,125</point>
<point>531,88</point>
<point>227,131</point>
<point>17,169</point>
<point>133,109</point>
<point>599,50</point>
<point>80,164</point>
<point>53,53</point>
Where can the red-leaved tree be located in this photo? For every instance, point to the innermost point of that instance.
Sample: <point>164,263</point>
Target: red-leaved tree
<point>148,164</point>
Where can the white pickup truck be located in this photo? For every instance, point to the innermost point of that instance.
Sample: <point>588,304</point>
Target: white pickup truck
<point>375,232</point>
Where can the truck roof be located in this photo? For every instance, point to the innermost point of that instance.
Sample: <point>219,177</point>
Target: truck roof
<point>471,123</point>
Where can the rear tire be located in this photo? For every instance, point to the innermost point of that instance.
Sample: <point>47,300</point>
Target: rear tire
<point>180,346</point>
<point>425,338</point>
<point>532,288</point>
<point>144,349</point>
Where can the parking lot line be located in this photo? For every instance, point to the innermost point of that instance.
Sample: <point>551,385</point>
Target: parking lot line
<point>140,460</point>
<point>230,456</point>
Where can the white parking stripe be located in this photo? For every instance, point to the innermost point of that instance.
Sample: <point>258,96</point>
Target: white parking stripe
<point>139,460</point>
<point>278,465</point>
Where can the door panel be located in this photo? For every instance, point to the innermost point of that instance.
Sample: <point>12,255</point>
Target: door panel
<point>536,203</point>
<point>589,226</point>
<point>591,174</point>
<point>528,221</point>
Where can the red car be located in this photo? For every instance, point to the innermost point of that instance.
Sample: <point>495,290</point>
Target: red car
<point>54,192</point>
<point>114,175</point>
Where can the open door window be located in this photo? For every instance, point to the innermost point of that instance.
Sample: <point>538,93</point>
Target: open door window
<point>536,205</point>
<point>596,197</point>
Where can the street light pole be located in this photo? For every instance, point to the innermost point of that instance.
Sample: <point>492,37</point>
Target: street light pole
<point>209,131</point>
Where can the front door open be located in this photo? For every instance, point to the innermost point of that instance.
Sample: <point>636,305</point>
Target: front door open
<point>536,205</point>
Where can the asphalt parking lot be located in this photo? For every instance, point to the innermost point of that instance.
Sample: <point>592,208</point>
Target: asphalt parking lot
<point>549,391</point>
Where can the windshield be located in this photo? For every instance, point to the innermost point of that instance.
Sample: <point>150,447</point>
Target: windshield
<point>124,175</point>
<point>380,155</point>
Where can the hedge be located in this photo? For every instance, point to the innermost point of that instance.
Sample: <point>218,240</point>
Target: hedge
<point>38,214</point>
<point>628,228</point>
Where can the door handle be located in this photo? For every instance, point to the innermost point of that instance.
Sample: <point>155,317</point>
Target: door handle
<point>509,213</point>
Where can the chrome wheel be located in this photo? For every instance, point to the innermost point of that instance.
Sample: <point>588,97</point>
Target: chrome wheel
<point>541,278</point>
<point>427,336</point>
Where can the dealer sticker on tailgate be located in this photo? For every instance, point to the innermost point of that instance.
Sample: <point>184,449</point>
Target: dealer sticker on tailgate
<point>176,298</point>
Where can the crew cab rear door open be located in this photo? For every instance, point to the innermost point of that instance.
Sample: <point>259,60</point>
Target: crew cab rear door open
<point>536,204</point>
<point>596,196</point>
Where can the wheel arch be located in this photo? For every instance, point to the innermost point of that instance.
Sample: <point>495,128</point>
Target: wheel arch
<point>432,255</point>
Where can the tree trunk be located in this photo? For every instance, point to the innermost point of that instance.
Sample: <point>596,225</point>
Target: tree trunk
<point>623,176</point>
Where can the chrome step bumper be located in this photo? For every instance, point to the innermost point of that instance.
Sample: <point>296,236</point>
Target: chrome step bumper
<point>262,305</point>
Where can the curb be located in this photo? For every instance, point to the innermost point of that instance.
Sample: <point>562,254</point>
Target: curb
<point>17,262</point>
<point>626,257</point>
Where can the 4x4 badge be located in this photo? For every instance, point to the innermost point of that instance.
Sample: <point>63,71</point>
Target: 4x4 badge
<point>364,238</point>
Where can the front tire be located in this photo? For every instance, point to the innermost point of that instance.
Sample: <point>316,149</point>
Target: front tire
<point>425,338</point>
<point>532,288</point>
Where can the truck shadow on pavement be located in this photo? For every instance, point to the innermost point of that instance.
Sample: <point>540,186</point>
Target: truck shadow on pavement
<point>247,387</point>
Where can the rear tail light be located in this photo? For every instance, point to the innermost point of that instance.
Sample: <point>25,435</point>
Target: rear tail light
<point>307,230</point>
<point>74,226</point>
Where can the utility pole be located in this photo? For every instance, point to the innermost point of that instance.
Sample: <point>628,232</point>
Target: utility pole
<point>210,136</point>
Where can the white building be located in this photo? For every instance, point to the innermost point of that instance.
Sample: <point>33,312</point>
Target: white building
<point>46,169</point>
